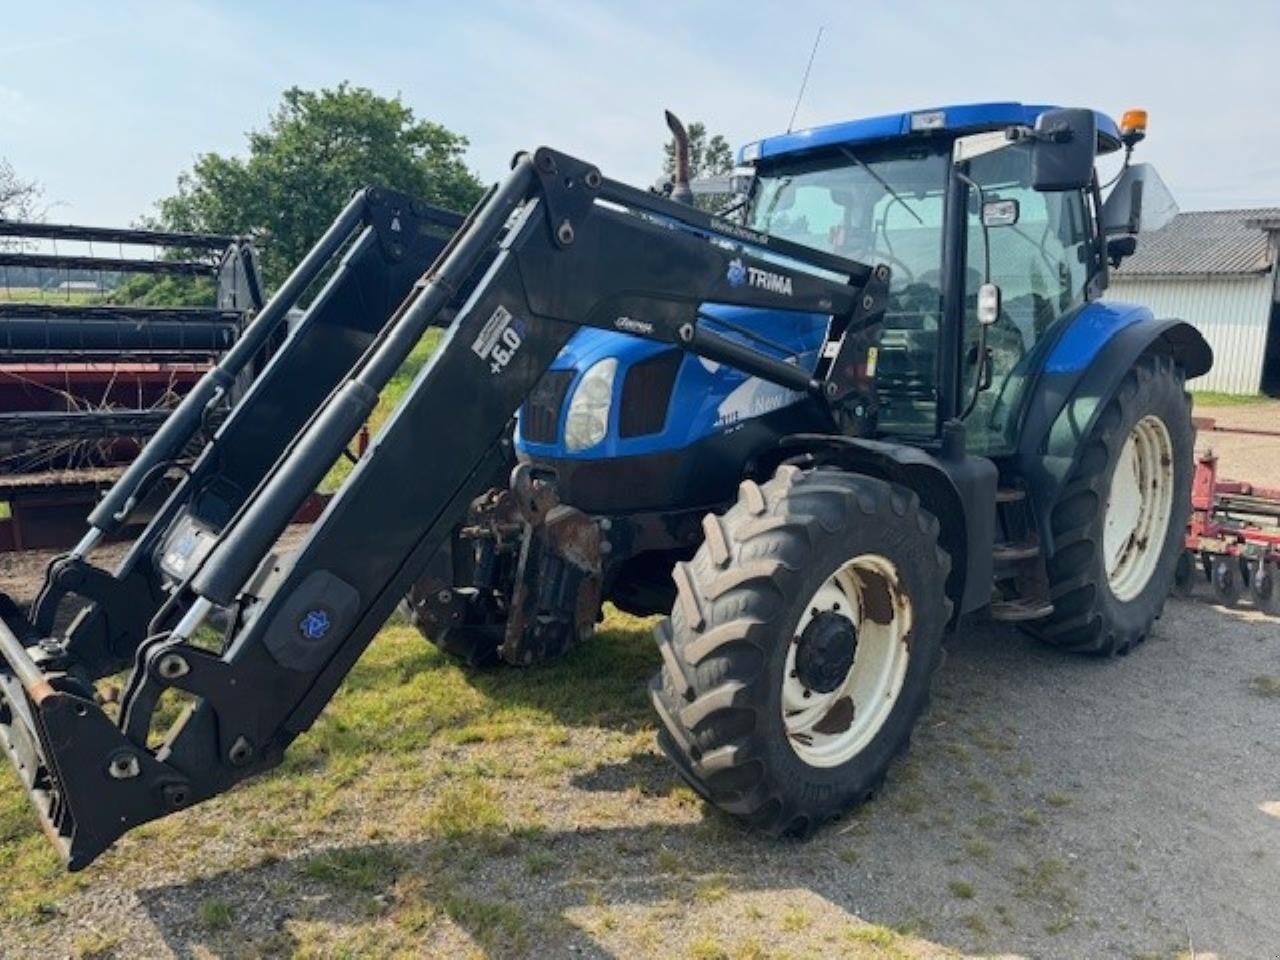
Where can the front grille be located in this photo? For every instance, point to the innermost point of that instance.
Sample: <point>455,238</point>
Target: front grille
<point>541,413</point>
<point>646,394</point>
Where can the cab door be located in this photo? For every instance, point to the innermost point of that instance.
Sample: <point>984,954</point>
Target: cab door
<point>1041,261</point>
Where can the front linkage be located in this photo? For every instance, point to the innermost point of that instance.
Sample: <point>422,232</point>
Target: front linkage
<point>572,249</point>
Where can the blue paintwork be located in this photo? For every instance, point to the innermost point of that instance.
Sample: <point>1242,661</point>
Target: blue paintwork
<point>960,118</point>
<point>1089,331</point>
<point>700,388</point>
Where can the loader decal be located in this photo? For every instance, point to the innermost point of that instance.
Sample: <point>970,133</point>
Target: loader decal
<point>739,274</point>
<point>499,339</point>
<point>315,624</point>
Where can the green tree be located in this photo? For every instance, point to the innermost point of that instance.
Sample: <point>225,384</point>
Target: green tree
<point>318,147</point>
<point>709,156</point>
<point>19,198</point>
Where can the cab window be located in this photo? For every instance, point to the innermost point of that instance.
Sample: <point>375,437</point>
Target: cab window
<point>1041,264</point>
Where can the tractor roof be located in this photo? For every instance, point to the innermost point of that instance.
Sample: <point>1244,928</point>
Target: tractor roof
<point>958,118</point>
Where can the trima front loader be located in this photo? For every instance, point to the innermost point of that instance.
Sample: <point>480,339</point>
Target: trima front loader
<point>884,397</point>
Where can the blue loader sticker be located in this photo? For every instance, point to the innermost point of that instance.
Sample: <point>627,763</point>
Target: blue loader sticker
<point>315,624</point>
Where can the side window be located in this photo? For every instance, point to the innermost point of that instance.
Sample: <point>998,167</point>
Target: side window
<point>1041,264</point>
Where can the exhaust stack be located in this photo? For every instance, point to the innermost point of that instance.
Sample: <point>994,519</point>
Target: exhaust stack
<point>681,191</point>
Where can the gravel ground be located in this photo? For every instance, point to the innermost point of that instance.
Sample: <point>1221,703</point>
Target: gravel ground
<point>1051,806</point>
<point>1244,456</point>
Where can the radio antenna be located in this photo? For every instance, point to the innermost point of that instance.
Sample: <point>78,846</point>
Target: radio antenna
<point>804,82</point>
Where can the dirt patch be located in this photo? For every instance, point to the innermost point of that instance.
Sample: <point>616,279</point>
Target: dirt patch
<point>1244,456</point>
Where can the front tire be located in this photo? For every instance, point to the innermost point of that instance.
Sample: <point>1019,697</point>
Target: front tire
<point>801,647</point>
<point>1119,524</point>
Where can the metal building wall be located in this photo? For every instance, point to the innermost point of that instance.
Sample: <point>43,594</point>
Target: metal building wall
<point>1231,311</point>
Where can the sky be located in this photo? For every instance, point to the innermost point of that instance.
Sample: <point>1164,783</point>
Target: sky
<point>105,103</point>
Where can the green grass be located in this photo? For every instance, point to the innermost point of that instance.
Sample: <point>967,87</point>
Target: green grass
<point>360,870</point>
<point>386,742</point>
<point>1212,398</point>
<point>1265,685</point>
<point>215,913</point>
<point>45,295</point>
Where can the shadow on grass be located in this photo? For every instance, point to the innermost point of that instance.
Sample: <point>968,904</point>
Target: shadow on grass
<point>507,897</point>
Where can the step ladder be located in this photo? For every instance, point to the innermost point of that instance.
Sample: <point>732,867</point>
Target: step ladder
<point>1020,581</point>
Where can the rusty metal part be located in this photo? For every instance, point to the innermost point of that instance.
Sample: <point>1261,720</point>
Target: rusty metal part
<point>558,580</point>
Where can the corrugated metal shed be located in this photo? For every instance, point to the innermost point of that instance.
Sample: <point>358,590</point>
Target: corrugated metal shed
<point>1206,242</point>
<point>1231,312</point>
<point>1217,270</point>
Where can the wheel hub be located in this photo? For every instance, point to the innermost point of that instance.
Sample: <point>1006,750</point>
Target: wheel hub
<point>1139,508</point>
<point>825,651</point>
<point>847,661</point>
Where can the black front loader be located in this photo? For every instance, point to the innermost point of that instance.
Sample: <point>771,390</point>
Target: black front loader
<point>554,247</point>
<point>365,264</point>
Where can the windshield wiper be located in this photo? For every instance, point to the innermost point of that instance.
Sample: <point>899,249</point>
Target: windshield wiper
<point>880,180</point>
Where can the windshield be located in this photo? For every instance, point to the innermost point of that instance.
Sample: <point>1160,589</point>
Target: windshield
<point>876,206</point>
<point>871,206</point>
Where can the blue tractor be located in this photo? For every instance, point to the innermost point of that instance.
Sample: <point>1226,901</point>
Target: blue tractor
<point>1025,450</point>
<point>882,394</point>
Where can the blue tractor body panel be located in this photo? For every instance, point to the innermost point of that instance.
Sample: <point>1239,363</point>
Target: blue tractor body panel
<point>955,120</point>
<point>1089,330</point>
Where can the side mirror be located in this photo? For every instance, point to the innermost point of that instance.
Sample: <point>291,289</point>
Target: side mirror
<point>1063,147</point>
<point>1120,247</point>
<point>1000,213</point>
<point>1138,203</point>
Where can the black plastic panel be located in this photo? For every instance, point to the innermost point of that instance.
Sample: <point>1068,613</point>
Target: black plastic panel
<point>540,418</point>
<point>646,394</point>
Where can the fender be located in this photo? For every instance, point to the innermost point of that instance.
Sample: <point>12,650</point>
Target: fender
<point>1081,373</point>
<point>959,490</point>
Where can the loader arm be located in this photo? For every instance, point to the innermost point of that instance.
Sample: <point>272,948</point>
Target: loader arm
<point>573,249</point>
<point>368,260</point>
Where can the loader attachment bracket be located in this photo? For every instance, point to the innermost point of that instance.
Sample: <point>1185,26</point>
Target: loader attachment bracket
<point>88,782</point>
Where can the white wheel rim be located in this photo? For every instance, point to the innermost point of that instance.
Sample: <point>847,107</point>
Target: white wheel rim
<point>1139,507</point>
<point>820,727</point>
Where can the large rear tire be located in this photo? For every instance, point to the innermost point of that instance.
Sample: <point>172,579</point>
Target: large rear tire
<point>1119,524</point>
<point>801,647</point>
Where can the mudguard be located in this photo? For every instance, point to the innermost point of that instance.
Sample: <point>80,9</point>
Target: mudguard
<point>1081,373</point>
<point>959,490</point>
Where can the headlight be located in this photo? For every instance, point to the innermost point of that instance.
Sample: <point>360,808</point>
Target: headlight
<point>588,419</point>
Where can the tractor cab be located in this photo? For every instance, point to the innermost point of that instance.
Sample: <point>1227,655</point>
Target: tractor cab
<point>955,201</point>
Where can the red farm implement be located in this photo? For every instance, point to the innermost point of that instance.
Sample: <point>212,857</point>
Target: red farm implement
<point>1233,537</point>
<point>85,375</point>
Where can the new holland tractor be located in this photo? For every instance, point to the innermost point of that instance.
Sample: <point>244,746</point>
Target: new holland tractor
<point>880,395</point>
